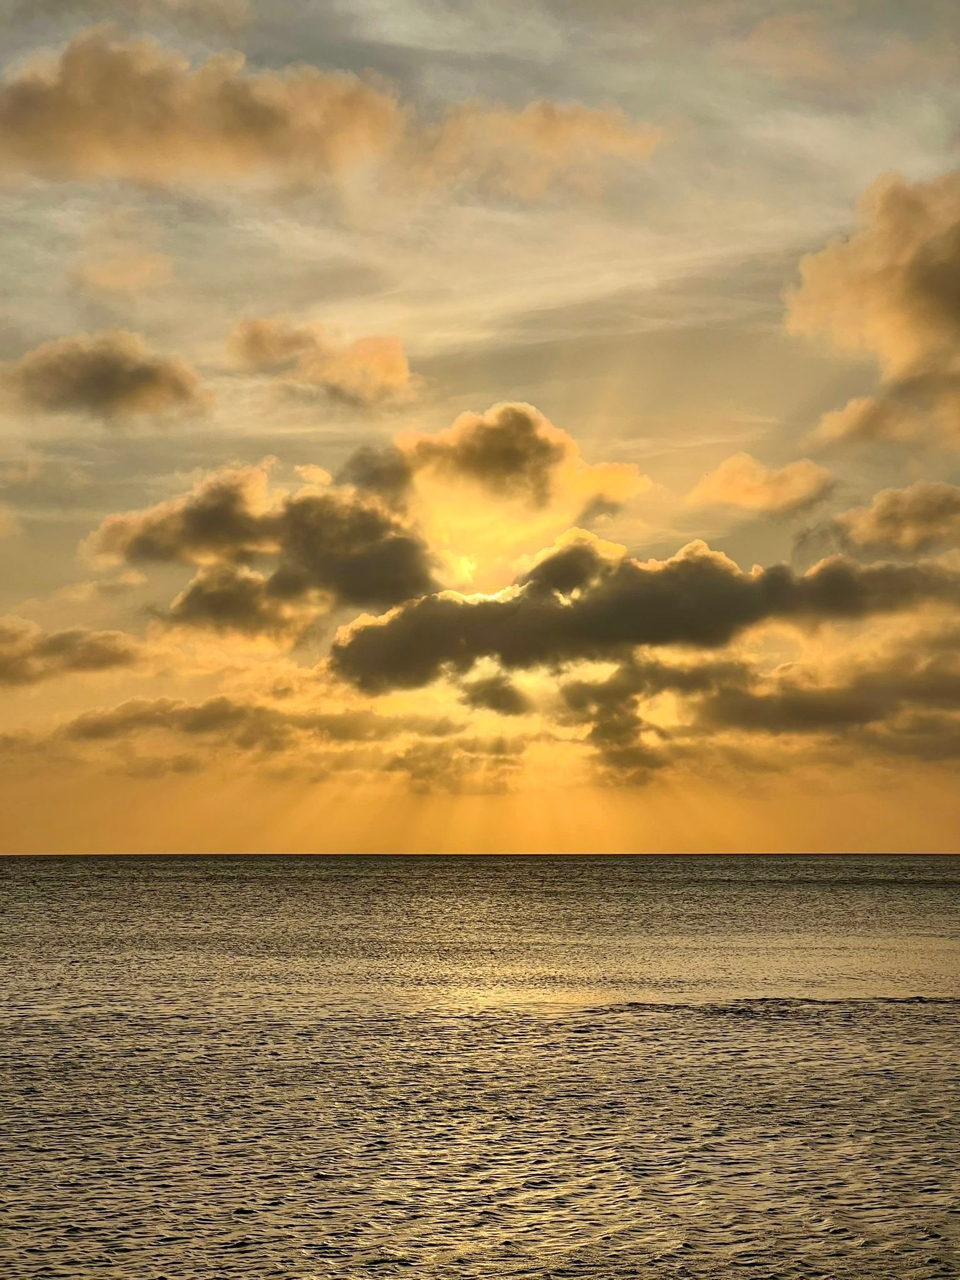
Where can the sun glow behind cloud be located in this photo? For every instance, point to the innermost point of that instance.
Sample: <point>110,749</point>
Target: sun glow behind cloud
<point>404,452</point>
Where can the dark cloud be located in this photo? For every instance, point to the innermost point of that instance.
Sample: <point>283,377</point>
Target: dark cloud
<point>600,608</point>
<point>512,448</point>
<point>610,707</point>
<point>248,726</point>
<point>794,710</point>
<point>383,470</point>
<point>496,693</point>
<point>918,518</point>
<point>921,673</point>
<point>357,551</point>
<point>235,599</point>
<point>111,375</point>
<point>931,738</point>
<point>512,451</point>
<point>29,654</point>
<point>226,518</point>
<point>337,546</point>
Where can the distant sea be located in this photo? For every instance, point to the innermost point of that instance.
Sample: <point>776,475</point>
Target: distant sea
<point>471,1068</point>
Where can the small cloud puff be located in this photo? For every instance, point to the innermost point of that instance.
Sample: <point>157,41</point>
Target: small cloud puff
<point>745,483</point>
<point>112,375</point>
<point>368,371</point>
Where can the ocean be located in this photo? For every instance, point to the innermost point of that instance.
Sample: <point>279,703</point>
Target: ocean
<point>443,1068</point>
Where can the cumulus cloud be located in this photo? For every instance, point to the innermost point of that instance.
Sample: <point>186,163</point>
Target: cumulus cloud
<point>892,289</point>
<point>384,470</point>
<point>330,548</point>
<point>581,603</point>
<point>112,375</point>
<point>512,451</point>
<point>916,409</point>
<point>29,655</point>
<point>914,677</point>
<point>743,482</point>
<point>512,448</point>
<point>629,748</point>
<point>230,598</point>
<point>367,371</point>
<point>109,107</point>
<point>921,517</point>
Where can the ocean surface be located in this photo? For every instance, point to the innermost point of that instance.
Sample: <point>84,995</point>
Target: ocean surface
<point>480,1067</point>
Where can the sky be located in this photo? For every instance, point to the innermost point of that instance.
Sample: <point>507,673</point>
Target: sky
<point>446,426</point>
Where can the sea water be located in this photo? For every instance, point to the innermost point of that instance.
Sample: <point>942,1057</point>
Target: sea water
<point>480,1067</point>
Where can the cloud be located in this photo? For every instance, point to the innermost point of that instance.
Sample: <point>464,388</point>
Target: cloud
<point>384,470</point>
<point>496,693</point>
<point>921,517</point>
<point>228,517</point>
<point>228,598</point>
<point>743,482</point>
<point>153,737</point>
<point>918,674</point>
<point>511,448</point>
<point>112,375</point>
<point>112,108</point>
<point>368,371</point>
<point>917,409</point>
<point>892,289</point>
<point>331,548</point>
<point>802,47</point>
<point>580,602</point>
<point>797,710</point>
<point>525,153</point>
<point>107,107</point>
<point>31,481</point>
<point>628,747</point>
<point>512,451</point>
<point>477,766</point>
<point>122,274</point>
<point>228,14</point>
<point>29,655</point>
<point>249,726</point>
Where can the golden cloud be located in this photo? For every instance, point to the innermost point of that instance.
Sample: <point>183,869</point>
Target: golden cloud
<point>368,371</point>
<point>743,482</point>
<point>109,107</point>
